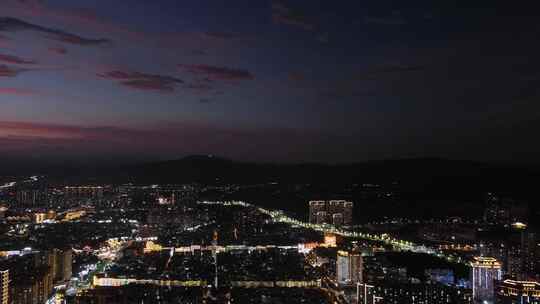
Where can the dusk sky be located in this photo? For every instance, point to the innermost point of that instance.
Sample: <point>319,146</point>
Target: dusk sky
<point>280,81</point>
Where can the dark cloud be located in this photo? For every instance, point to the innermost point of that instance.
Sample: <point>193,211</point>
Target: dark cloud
<point>217,72</point>
<point>15,60</point>
<point>7,71</point>
<point>58,50</point>
<point>84,17</point>
<point>17,91</point>
<point>200,86</point>
<point>156,84</point>
<point>8,24</point>
<point>282,14</point>
<point>143,81</point>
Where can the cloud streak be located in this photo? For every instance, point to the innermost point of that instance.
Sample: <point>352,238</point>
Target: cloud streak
<point>87,18</point>
<point>281,14</point>
<point>7,71</point>
<point>58,50</point>
<point>15,60</point>
<point>216,72</point>
<point>18,92</point>
<point>143,81</point>
<point>8,24</point>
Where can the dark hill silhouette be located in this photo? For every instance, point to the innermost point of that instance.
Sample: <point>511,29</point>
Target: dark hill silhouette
<point>421,175</point>
<point>417,175</point>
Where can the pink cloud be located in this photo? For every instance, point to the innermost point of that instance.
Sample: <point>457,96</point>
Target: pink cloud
<point>281,14</point>
<point>15,60</point>
<point>37,130</point>
<point>217,72</point>
<point>58,50</point>
<point>143,81</point>
<point>7,71</point>
<point>17,91</point>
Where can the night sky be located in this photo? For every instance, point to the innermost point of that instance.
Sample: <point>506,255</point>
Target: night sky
<point>280,81</point>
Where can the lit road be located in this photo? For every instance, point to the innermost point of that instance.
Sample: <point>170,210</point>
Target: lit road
<point>401,245</point>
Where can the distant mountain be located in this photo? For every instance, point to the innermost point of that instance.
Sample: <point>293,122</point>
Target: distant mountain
<point>211,169</point>
<point>420,176</point>
<point>425,174</point>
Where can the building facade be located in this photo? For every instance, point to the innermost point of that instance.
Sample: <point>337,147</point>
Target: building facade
<point>349,268</point>
<point>517,292</point>
<point>4,286</point>
<point>418,293</point>
<point>335,212</point>
<point>485,271</point>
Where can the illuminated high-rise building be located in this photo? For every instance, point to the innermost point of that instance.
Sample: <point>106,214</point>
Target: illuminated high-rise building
<point>347,211</point>
<point>31,198</point>
<point>357,267</point>
<point>521,292</point>
<point>83,192</point>
<point>314,208</point>
<point>528,252</point>
<point>503,210</point>
<point>349,267</point>
<point>62,264</point>
<point>342,267</point>
<point>4,286</point>
<point>484,272</point>
<point>322,217</point>
<point>30,278</point>
<point>215,238</point>
<point>521,253</point>
<point>335,212</point>
<point>337,219</point>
